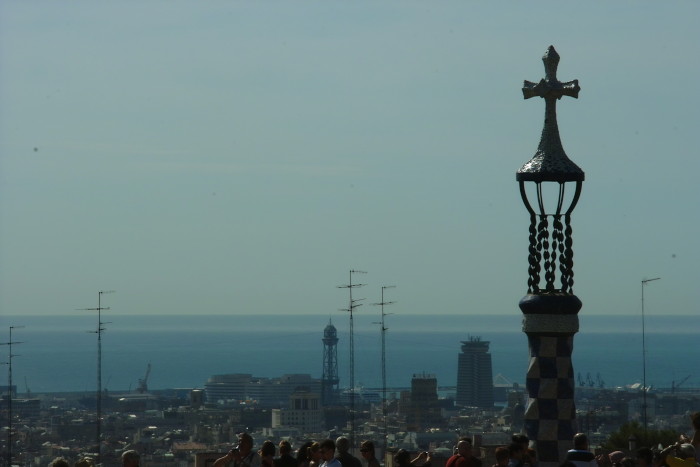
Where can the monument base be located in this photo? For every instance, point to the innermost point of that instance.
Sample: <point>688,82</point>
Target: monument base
<point>550,416</point>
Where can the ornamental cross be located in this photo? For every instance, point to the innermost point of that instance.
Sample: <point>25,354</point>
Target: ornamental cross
<point>550,87</point>
<point>550,162</point>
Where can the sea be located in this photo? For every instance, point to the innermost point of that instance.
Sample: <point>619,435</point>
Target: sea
<point>58,353</point>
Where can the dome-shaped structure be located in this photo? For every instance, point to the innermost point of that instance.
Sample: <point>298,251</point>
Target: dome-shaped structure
<point>330,332</point>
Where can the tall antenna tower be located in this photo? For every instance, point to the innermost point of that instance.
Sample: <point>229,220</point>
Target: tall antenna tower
<point>9,392</point>
<point>352,305</point>
<point>384,330</point>
<point>98,398</point>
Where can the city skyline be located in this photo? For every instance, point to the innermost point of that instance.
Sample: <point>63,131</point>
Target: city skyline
<point>241,158</point>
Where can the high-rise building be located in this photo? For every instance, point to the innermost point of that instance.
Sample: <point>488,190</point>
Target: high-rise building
<point>329,380</point>
<point>422,409</point>
<point>474,374</point>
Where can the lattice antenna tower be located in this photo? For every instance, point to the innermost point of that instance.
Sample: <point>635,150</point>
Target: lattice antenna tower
<point>329,380</point>
<point>10,355</point>
<point>98,394</point>
<point>384,329</point>
<point>353,303</point>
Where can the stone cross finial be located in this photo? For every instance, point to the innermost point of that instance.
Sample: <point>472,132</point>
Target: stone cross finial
<point>550,87</point>
<point>550,162</point>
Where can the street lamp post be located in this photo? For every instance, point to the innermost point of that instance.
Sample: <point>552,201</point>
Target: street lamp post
<point>550,309</point>
<point>644,360</point>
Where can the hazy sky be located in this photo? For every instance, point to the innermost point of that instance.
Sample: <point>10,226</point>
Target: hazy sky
<point>241,157</point>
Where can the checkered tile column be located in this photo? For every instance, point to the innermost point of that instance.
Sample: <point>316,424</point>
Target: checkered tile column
<point>550,416</point>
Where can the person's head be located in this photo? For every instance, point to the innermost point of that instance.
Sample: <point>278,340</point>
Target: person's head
<point>130,459</point>
<point>402,458</point>
<point>85,462</point>
<point>616,457</point>
<point>645,457</point>
<point>464,447</point>
<point>686,451</point>
<point>531,455</point>
<point>59,462</point>
<point>502,456</point>
<point>581,441</point>
<point>285,447</point>
<point>516,451</point>
<point>342,444</point>
<point>245,443</point>
<point>268,449</point>
<point>520,439</point>
<point>327,449</point>
<point>695,420</point>
<point>367,449</point>
<point>314,451</point>
<point>303,451</point>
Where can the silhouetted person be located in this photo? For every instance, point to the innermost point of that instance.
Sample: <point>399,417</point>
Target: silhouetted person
<point>463,457</point>
<point>59,462</point>
<point>580,455</point>
<point>679,455</point>
<point>645,457</point>
<point>328,454</point>
<point>502,456</point>
<point>314,454</point>
<point>131,458</point>
<point>516,453</point>
<point>267,454</point>
<point>285,459</point>
<point>303,454</point>
<point>342,444</point>
<point>242,455</point>
<point>524,441</point>
<point>368,453</point>
<point>85,462</point>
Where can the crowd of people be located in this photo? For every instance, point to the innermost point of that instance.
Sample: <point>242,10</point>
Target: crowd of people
<point>326,453</point>
<point>329,453</point>
<point>129,458</point>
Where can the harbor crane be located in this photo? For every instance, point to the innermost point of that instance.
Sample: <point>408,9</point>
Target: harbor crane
<point>676,385</point>
<point>143,383</point>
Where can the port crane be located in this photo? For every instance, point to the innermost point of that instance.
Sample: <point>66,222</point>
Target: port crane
<point>143,383</point>
<point>676,385</point>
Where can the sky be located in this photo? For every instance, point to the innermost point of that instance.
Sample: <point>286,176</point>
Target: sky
<point>241,157</point>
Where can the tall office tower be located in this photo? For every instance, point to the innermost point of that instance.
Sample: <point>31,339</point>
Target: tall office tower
<point>474,374</point>
<point>329,380</point>
<point>422,409</point>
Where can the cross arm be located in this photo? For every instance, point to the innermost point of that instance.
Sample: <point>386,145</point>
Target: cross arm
<point>551,89</point>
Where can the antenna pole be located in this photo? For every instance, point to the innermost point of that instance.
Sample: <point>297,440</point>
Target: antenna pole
<point>384,329</point>
<point>98,398</point>
<point>644,361</point>
<point>9,393</point>
<point>353,304</point>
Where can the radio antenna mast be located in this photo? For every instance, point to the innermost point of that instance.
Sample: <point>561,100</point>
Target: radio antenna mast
<point>98,399</point>
<point>384,330</point>
<point>352,305</point>
<point>9,392</point>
